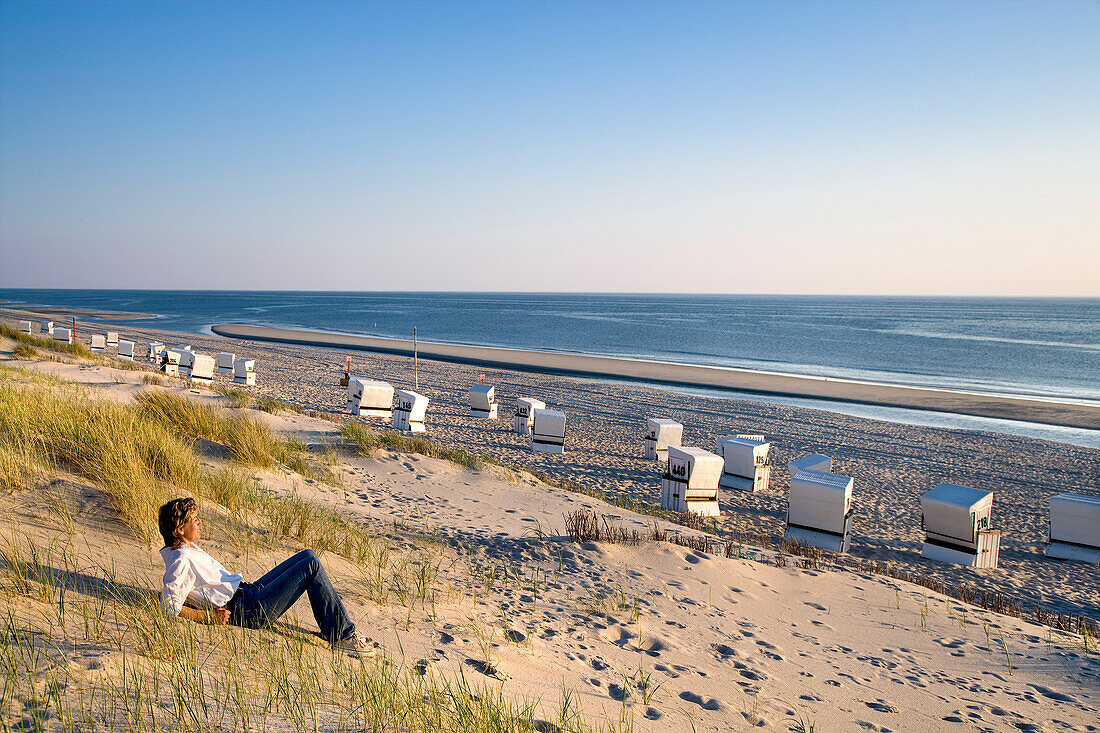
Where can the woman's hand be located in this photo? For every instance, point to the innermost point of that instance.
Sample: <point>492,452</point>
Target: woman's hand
<point>217,616</point>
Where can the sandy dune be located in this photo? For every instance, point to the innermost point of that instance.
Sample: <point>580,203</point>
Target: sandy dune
<point>675,639</point>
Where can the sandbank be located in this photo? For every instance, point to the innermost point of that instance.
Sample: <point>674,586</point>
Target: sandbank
<point>68,312</point>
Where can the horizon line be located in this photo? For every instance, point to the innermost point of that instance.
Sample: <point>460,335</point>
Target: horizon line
<point>566,292</point>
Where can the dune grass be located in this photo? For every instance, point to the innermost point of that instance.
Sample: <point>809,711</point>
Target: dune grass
<point>240,398</point>
<point>134,460</point>
<point>45,342</point>
<point>250,442</point>
<point>23,351</point>
<point>142,455</point>
<point>367,441</point>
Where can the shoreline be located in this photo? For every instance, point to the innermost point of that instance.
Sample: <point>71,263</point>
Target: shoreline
<point>1035,410</point>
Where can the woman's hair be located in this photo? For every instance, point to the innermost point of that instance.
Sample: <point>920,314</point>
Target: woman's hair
<point>174,515</point>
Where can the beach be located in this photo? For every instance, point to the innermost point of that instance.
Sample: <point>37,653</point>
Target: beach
<point>653,636</point>
<point>892,464</point>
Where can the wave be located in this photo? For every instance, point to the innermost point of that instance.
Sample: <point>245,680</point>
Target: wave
<point>993,339</point>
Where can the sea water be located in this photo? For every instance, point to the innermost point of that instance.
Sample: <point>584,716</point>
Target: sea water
<point>1032,346</point>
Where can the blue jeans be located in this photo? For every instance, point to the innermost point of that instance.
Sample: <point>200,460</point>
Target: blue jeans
<point>260,604</point>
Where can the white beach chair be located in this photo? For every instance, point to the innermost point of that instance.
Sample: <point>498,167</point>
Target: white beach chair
<point>47,328</point>
<point>225,361</point>
<point>170,362</point>
<point>690,483</point>
<point>112,339</point>
<point>548,431</point>
<point>660,435</point>
<point>126,350</point>
<point>64,335</point>
<point>525,414</point>
<point>410,411</point>
<point>25,326</point>
<point>187,360</point>
<point>370,398</point>
<point>1074,528</point>
<point>202,369</point>
<point>819,510</point>
<point>99,343</point>
<point>483,401</point>
<point>811,462</point>
<point>956,523</point>
<point>244,372</point>
<point>746,466</point>
<point>155,347</point>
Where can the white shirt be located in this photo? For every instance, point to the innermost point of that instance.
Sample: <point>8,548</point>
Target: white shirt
<point>190,573</point>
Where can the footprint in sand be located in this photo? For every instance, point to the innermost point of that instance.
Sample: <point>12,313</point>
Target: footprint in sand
<point>429,663</point>
<point>752,674</point>
<point>653,647</point>
<point>707,704</point>
<point>1049,693</point>
<point>818,606</point>
<point>724,652</point>
<point>617,635</point>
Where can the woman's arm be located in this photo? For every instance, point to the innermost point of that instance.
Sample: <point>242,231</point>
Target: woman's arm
<point>218,616</point>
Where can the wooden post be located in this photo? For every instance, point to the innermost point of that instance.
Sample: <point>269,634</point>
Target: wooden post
<point>74,331</point>
<point>416,377</point>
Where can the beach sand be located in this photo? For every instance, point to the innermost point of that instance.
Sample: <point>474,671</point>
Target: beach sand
<point>670,638</point>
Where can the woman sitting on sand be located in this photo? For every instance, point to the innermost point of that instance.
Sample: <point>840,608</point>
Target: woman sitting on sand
<point>222,597</point>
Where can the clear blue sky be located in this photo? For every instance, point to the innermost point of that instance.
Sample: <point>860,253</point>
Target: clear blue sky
<point>840,147</point>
